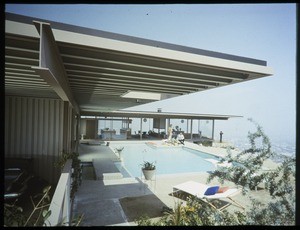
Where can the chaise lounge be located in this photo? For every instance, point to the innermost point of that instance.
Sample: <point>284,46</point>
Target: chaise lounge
<point>208,193</point>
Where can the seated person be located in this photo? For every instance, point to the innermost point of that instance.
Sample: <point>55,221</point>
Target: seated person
<point>180,138</point>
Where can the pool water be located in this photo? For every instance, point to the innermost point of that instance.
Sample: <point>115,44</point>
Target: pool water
<point>168,160</point>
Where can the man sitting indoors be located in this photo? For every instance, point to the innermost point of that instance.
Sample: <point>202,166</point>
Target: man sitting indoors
<point>180,138</point>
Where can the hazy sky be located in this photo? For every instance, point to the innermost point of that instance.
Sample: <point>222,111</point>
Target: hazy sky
<point>260,31</point>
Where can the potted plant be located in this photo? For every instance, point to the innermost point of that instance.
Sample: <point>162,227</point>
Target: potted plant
<point>119,150</point>
<point>148,169</point>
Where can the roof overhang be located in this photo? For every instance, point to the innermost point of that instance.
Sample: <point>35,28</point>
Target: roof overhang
<point>166,115</point>
<point>95,70</point>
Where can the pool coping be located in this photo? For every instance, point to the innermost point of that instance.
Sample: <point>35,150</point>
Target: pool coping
<point>98,200</point>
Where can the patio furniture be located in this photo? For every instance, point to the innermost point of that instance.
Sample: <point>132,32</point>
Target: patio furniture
<point>208,193</point>
<point>18,186</point>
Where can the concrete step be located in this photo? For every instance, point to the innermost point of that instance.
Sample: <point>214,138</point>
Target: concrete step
<point>110,176</point>
<point>105,169</point>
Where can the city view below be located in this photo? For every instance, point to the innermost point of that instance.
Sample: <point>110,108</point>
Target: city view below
<point>283,146</point>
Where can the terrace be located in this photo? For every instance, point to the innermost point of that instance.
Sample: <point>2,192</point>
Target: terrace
<point>55,73</point>
<point>112,201</point>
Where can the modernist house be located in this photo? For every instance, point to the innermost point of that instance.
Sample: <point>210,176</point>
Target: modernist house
<point>55,73</point>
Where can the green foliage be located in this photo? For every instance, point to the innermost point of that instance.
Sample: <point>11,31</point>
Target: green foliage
<point>15,217</point>
<point>77,170</point>
<point>207,143</point>
<point>279,182</point>
<point>282,181</point>
<point>195,213</point>
<point>148,165</point>
<point>246,172</point>
<point>118,151</point>
<point>77,220</point>
<point>281,186</point>
<point>144,220</point>
<point>41,208</point>
<point>74,222</point>
<point>279,212</point>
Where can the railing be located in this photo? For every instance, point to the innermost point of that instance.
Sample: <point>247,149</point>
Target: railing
<point>61,202</point>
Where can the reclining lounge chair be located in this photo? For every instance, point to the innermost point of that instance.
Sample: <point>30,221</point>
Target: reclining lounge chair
<point>208,193</point>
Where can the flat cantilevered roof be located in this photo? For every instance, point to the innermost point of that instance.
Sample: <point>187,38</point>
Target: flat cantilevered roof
<point>98,71</point>
<point>166,115</point>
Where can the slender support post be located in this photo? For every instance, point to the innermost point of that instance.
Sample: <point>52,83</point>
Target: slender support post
<point>187,125</point>
<point>191,129</point>
<point>96,128</point>
<point>77,120</point>
<point>141,125</point>
<point>213,129</point>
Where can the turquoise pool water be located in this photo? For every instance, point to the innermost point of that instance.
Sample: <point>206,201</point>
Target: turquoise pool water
<point>170,160</point>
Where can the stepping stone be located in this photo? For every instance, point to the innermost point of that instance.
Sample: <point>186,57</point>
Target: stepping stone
<point>105,169</point>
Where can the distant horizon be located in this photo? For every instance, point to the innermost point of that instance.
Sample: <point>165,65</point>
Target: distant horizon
<point>279,145</point>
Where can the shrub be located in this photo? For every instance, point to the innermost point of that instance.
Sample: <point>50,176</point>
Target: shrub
<point>280,183</point>
<point>77,169</point>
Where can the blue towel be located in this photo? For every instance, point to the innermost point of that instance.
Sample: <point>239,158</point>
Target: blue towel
<point>211,190</point>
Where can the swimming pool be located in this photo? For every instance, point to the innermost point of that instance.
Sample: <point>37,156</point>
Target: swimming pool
<point>168,160</point>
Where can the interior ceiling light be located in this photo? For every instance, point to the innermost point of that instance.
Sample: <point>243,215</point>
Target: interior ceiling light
<point>142,95</point>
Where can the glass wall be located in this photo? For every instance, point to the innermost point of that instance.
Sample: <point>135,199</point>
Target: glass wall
<point>118,126</point>
<point>205,126</point>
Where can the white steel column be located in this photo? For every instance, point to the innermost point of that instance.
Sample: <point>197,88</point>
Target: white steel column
<point>191,129</point>
<point>213,129</point>
<point>187,125</point>
<point>141,128</point>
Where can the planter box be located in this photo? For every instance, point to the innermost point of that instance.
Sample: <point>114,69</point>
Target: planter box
<point>148,174</point>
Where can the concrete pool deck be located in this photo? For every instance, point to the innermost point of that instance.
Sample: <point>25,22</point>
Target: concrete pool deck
<point>111,200</point>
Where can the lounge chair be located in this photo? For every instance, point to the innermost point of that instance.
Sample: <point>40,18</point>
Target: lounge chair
<point>18,186</point>
<point>208,193</point>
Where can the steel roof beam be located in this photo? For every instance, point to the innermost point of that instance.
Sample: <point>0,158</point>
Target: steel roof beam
<point>129,66</point>
<point>128,87</point>
<point>160,79</point>
<point>174,84</point>
<point>51,67</point>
